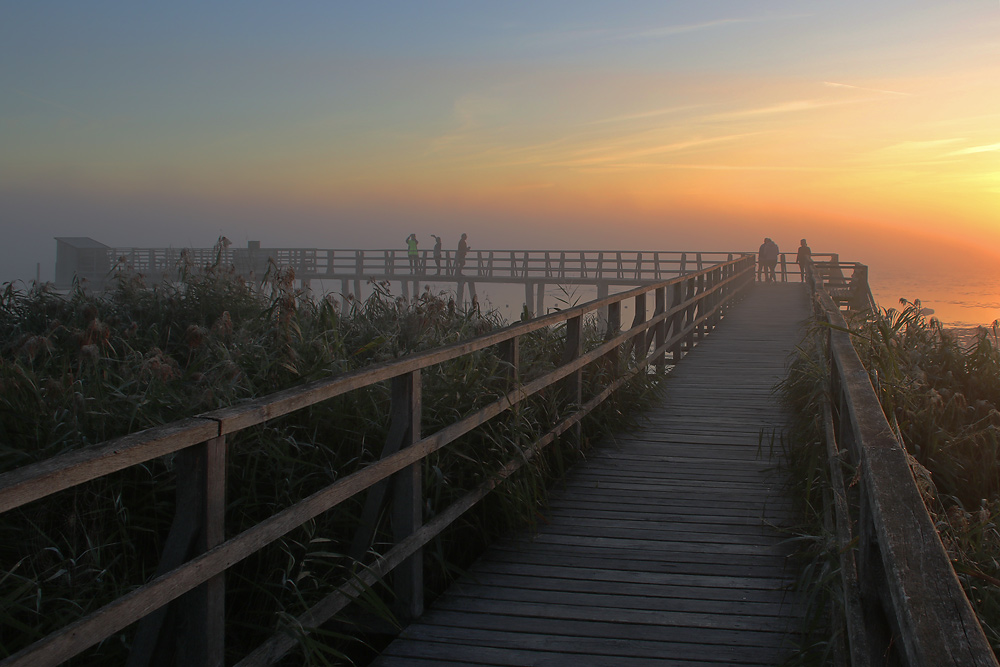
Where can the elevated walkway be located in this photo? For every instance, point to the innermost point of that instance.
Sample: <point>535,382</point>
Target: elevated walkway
<point>666,546</point>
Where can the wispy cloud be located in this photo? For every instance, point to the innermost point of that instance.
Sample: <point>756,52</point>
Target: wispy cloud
<point>607,157</point>
<point>782,108</point>
<point>690,27</point>
<point>989,148</point>
<point>572,35</point>
<point>834,84</point>
<point>679,166</point>
<point>643,115</point>
<point>666,31</point>
<point>923,145</point>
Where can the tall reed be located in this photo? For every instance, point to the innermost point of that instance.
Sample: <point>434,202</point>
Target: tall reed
<point>942,399</point>
<point>78,369</point>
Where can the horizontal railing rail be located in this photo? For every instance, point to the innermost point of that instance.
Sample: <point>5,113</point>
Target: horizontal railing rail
<point>903,600</point>
<point>551,266</point>
<point>685,308</point>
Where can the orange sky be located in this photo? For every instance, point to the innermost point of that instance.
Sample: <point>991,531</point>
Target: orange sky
<point>870,130</point>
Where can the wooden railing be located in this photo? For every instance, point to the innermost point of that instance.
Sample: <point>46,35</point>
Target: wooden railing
<point>551,265</point>
<point>903,601</point>
<point>683,309</point>
<point>624,267</point>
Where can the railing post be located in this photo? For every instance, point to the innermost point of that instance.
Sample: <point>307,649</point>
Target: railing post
<point>660,330</point>
<point>699,307</point>
<point>510,354</point>
<point>689,312</point>
<point>614,327</point>
<point>603,289</point>
<point>639,341</point>
<point>407,508</point>
<point>404,429</point>
<point>676,320</point>
<point>574,348</point>
<point>212,594</point>
<point>359,269</point>
<point>191,631</point>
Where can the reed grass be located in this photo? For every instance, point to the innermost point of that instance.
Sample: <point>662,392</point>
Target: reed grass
<point>942,399</point>
<point>78,369</point>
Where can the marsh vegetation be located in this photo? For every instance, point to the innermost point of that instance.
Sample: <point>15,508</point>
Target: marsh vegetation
<point>79,369</point>
<point>941,394</point>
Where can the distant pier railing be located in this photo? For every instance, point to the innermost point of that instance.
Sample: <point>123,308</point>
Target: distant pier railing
<point>353,268</point>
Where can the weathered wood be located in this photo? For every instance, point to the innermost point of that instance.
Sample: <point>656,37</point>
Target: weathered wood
<point>407,508</point>
<point>279,645</point>
<point>200,633</point>
<point>659,333</point>
<point>904,570</point>
<point>639,575</point>
<point>38,480</point>
<point>400,431</point>
<point>180,545</point>
<point>860,649</point>
<point>206,571</point>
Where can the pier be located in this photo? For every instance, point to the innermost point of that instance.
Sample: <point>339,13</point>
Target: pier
<point>352,269</point>
<point>666,546</point>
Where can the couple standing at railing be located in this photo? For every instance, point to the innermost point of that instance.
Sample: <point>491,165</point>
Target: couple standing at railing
<point>414,256</point>
<point>767,260</point>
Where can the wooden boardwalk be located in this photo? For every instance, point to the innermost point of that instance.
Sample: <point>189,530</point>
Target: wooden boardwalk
<point>664,547</point>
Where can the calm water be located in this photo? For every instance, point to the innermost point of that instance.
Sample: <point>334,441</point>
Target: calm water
<point>957,299</point>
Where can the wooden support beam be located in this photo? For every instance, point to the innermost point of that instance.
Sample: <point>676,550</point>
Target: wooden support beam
<point>407,507</point>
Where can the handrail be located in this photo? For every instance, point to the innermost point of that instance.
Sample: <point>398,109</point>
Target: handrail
<point>686,308</point>
<point>906,600</point>
<point>620,267</point>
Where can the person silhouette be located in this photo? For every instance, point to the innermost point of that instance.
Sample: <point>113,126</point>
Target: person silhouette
<point>437,252</point>
<point>767,259</point>
<point>463,250</point>
<point>804,259</point>
<point>411,252</point>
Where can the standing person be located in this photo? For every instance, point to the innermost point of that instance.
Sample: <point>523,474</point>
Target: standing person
<point>804,259</point>
<point>463,250</point>
<point>437,252</point>
<point>411,251</point>
<point>761,254</point>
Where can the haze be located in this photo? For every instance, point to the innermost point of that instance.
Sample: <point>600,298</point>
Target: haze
<point>873,129</point>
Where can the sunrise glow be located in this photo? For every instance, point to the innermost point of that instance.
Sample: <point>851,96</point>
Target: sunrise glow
<point>571,124</point>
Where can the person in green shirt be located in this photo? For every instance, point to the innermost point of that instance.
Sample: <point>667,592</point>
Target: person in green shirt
<point>411,251</point>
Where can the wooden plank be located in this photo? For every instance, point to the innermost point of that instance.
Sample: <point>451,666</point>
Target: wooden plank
<point>663,546</point>
<point>38,480</point>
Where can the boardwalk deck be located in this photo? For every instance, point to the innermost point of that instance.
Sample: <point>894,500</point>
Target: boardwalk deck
<point>664,547</point>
